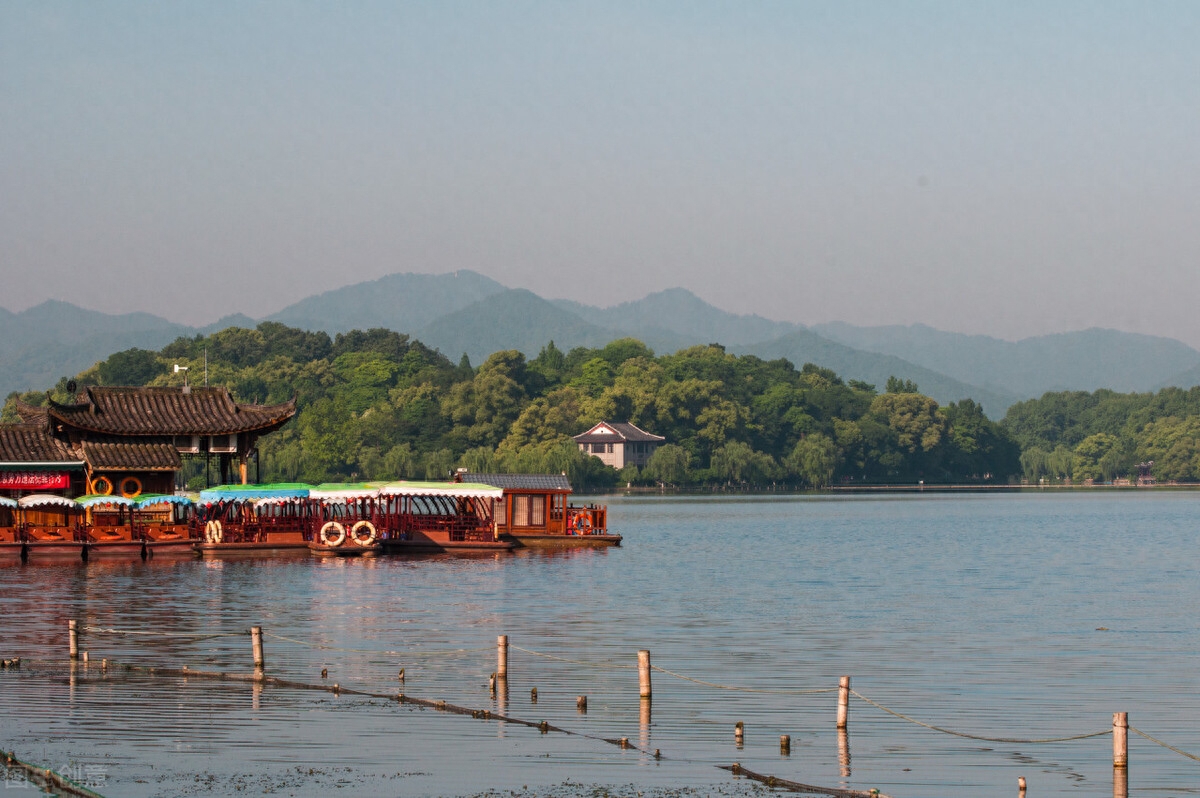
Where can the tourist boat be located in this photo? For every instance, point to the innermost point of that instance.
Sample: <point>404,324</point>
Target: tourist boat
<point>49,527</point>
<point>108,526</point>
<point>346,519</point>
<point>253,519</point>
<point>162,522</point>
<point>440,516</point>
<point>10,536</point>
<point>535,512</point>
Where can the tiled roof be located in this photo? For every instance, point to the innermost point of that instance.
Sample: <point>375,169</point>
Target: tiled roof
<point>164,411</point>
<point>520,481</point>
<point>131,456</point>
<point>30,443</point>
<point>624,432</point>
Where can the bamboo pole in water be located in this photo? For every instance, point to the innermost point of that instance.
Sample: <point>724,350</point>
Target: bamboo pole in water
<point>502,657</point>
<point>73,638</point>
<point>644,674</point>
<point>843,710</point>
<point>257,646</point>
<point>1120,739</point>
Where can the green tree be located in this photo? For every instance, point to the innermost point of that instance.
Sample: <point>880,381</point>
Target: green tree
<point>131,367</point>
<point>814,459</point>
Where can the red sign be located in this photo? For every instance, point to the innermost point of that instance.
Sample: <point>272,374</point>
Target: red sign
<point>34,480</point>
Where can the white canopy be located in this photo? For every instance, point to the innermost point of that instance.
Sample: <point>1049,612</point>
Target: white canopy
<point>47,500</point>
<point>458,490</point>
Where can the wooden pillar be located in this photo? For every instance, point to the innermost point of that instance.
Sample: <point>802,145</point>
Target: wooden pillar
<point>644,674</point>
<point>1120,739</point>
<point>244,471</point>
<point>843,709</point>
<point>257,646</point>
<point>73,638</point>
<point>502,657</point>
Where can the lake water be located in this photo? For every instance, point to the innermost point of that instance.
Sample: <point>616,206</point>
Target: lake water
<point>1020,616</point>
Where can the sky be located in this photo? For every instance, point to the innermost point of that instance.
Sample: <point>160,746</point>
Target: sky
<point>1006,168</point>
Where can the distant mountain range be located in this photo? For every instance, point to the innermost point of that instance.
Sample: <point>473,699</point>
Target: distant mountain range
<point>466,312</point>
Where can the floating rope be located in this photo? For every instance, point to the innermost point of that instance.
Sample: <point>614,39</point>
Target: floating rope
<point>1164,745</point>
<point>745,689</point>
<point>452,653</point>
<point>180,635</point>
<point>977,736</point>
<point>795,786</point>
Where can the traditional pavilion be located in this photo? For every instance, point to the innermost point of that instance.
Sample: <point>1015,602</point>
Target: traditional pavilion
<point>131,440</point>
<point>619,443</point>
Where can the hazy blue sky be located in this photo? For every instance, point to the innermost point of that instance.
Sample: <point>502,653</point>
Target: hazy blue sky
<point>1002,168</point>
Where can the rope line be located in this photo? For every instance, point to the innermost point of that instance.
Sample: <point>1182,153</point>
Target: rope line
<point>977,736</point>
<point>744,689</point>
<point>1164,745</point>
<point>676,675</point>
<point>181,635</point>
<point>451,653</point>
<point>573,661</point>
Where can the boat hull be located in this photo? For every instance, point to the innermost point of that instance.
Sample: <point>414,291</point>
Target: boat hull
<point>563,541</point>
<point>348,550</point>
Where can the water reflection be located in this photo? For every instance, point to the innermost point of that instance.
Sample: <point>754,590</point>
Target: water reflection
<point>949,609</point>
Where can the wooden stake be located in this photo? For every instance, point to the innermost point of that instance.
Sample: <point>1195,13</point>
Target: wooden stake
<point>1120,739</point>
<point>1020,787</point>
<point>256,645</point>
<point>581,703</point>
<point>73,638</point>
<point>843,710</point>
<point>644,674</point>
<point>785,744</point>
<point>502,657</point>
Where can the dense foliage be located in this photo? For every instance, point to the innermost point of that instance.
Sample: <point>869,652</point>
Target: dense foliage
<point>1105,435</point>
<point>377,405</point>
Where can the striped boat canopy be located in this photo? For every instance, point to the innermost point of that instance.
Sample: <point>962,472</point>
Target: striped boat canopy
<point>151,499</point>
<point>101,500</point>
<point>248,493</point>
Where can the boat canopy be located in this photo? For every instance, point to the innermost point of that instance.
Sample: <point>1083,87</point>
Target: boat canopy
<point>344,491</point>
<point>151,499</point>
<point>254,493</point>
<point>47,500</point>
<point>460,490</point>
<point>7,502</point>
<point>101,500</point>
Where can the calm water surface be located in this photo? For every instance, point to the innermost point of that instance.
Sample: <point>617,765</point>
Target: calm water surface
<point>1024,616</point>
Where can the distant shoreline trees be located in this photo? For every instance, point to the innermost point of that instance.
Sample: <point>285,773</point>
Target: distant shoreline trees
<point>376,404</point>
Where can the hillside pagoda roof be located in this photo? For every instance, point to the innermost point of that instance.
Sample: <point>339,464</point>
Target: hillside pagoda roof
<point>619,431</point>
<point>158,411</point>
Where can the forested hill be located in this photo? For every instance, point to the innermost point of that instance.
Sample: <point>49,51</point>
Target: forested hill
<point>1104,435</point>
<point>379,405</point>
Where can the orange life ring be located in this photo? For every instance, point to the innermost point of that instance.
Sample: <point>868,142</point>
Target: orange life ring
<point>131,493</point>
<point>583,524</point>
<point>101,486</point>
